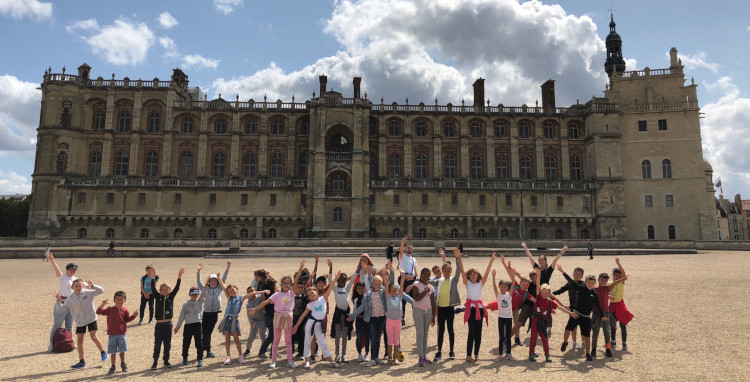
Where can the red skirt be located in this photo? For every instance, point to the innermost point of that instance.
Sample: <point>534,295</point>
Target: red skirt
<point>621,312</point>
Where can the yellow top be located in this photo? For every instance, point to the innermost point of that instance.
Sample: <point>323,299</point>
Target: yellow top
<point>444,294</point>
<point>617,291</point>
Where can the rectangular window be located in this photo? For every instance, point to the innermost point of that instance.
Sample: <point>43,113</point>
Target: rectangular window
<point>482,200</point>
<point>533,200</point>
<point>747,213</point>
<point>642,126</point>
<point>273,199</point>
<point>649,201</point>
<point>559,201</point>
<point>424,199</point>
<point>585,203</point>
<point>303,200</point>
<point>81,197</point>
<point>142,198</point>
<point>396,200</point>
<point>670,200</point>
<point>110,198</point>
<point>177,198</point>
<point>508,200</point>
<point>454,199</point>
<point>212,199</point>
<point>372,199</point>
<point>243,200</point>
<point>748,226</point>
<point>662,124</point>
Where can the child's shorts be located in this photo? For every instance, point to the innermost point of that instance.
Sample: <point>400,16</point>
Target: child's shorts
<point>525,313</point>
<point>92,327</point>
<point>117,344</point>
<point>584,322</point>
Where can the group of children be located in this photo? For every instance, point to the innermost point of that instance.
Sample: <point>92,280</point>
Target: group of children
<point>298,309</point>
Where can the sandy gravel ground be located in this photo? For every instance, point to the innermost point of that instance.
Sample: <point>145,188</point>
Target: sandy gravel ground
<point>690,324</point>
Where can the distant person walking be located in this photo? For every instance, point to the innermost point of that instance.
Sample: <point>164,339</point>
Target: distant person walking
<point>111,250</point>
<point>591,250</point>
<point>389,252</point>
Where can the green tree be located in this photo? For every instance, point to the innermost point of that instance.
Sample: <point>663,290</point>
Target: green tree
<point>14,214</point>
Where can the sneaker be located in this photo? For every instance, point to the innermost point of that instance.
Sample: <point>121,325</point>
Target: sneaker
<point>371,363</point>
<point>608,353</point>
<point>396,362</point>
<point>499,358</point>
<point>228,360</point>
<point>452,356</point>
<point>360,358</point>
<point>532,358</point>
<point>105,356</point>
<point>547,358</point>
<point>459,310</point>
<point>150,322</point>
<point>469,358</point>
<point>335,365</point>
<point>337,359</point>
<point>140,322</point>
<point>200,363</point>
<point>50,348</point>
<point>344,359</point>
<point>421,362</point>
<point>427,361</point>
<point>184,362</point>
<point>262,356</point>
<point>246,353</point>
<point>589,358</point>
<point>613,344</point>
<point>124,367</point>
<point>379,361</point>
<point>272,365</point>
<point>79,365</point>
<point>624,346</point>
<point>366,358</point>
<point>438,356</point>
<point>518,341</point>
<point>112,369</point>
<point>167,365</point>
<point>153,366</point>
<point>292,365</point>
<point>312,358</point>
<point>510,357</point>
<point>564,346</point>
<point>242,360</point>
<point>210,355</point>
<point>593,352</point>
<point>576,346</point>
<point>403,322</point>
<point>300,357</point>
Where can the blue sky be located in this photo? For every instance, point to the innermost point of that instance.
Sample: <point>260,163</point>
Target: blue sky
<point>420,49</point>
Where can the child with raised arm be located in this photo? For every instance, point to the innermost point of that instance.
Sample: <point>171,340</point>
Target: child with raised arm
<point>257,319</point>
<point>446,298</point>
<point>504,314</point>
<point>422,309</point>
<point>65,282</point>
<point>148,285</point>
<point>600,318</point>
<point>283,304</point>
<point>164,306</point>
<point>521,296</point>
<point>317,309</point>
<point>81,306</point>
<point>230,324</point>
<point>211,305</point>
<point>586,301</point>
<point>547,271</point>
<point>192,313</point>
<point>475,311</point>
<point>117,328</point>
<point>266,282</point>
<point>571,289</point>
<point>543,308</point>
<point>619,311</point>
<point>340,327</point>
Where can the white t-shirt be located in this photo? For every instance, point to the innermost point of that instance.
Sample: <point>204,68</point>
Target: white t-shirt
<point>504,305</point>
<point>66,282</point>
<point>408,264</point>
<point>473,292</point>
<point>318,308</point>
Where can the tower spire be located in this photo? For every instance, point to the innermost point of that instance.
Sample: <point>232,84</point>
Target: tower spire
<point>614,63</point>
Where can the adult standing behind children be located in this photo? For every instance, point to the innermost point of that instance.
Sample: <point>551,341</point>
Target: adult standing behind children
<point>211,305</point>
<point>65,281</point>
<point>408,264</point>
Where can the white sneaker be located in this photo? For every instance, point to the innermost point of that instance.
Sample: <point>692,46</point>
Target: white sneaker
<point>307,364</point>
<point>365,358</point>
<point>360,358</point>
<point>272,365</point>
<point>335,365</point>
<point>576,346</point>
<point>337,359</point>
<point>292,365</point>
<point>371,363</point>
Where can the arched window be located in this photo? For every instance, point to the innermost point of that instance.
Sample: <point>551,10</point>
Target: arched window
<point>373,166</point>
<point>272,233</point>
<point>220,127</point>
<point>559,234</point>
<point>651,234</point>
<point>500,131</point>
<point>277,165</point>
<point>277,126</point>
<point>396,233</point>
<point>482,234</point>
<point>186,164</point>
<point>304,128</point>
<point>212,233</point>
<point>153,122</point>
<point>110,233</point>
<point>122,158</point>
<point>421,166</point>
<point>523,130</point>
<point>584,234</point>
<point>575,168</point>
<point>338,215</point>
<point>187,125</point>
<point>421,129</point>
<point>526,166</point>
<point>475,129</point>
<point>573,131</point>
<point>178,233</point>
<point>672,232</point>
<point>250,126</point>
<point>504,234</point>
<point>62,162</point>
<point>151,165</point>
<point>550,168</point>
<point>82,233</point>
<point>449,168</point>
<point>646,169</point>
<point>666,169</point>
<point>95,163</point>
<point>303,165</point>
<point>394,128</point>
<point>219,165</point>
<point>549,130</point>
<point>144,233</point>
<point>422,233</point>
<point>394,166</point>
<point>244,233</point>
<point>449,129</point>
<point>99,119</point>
<point>501,166</point>
<point>124,124</point>
<point>534,234</point>
<point>248,165</point>
<point>476,167</point>
<point>454,233</point>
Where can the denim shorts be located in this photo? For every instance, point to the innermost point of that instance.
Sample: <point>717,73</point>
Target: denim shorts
<point>117,344</point>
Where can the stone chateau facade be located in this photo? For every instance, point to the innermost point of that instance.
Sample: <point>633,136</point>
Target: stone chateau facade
<point>129,159</point>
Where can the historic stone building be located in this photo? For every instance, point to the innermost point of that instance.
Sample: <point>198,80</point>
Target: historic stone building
<point>132,159</point>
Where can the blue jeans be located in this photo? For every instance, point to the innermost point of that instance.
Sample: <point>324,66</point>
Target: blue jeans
<point>377,324</point>
<point>59,318</point>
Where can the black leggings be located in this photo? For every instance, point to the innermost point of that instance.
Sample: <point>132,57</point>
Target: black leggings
<point>623,328</point>
<point>150,302</point>
<point>475,332</point>
<point>208,324</point>
<point>504,326</point>
<point>445,315</point>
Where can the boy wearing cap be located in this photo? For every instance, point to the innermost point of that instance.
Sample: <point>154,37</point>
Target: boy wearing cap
<point>192,313</point>
<point>65,281</point>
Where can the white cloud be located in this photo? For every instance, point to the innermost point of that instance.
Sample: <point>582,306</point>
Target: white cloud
<point>227,6</point>
<point>85,25</point>
<point>631,64</point>
<point>34,9</point>
<point>170,48</point>
<point>698,60</point>
<point>197,62</point>
<point>725,137</point>
<point>122,43</point>
<point>19,113</point>
<point>167,21</point>
<point>12,183</point>
<point>437,48</point>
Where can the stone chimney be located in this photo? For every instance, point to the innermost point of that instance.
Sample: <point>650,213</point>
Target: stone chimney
<point>673,57</point>
<point>323,83</point>
<point>479,94</point>
<point>357,81</point>
<point>548,95</point>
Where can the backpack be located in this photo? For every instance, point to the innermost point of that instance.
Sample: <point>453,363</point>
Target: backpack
<point>63,341</point>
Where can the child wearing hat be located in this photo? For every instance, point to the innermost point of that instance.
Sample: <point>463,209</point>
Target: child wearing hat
<point>191,314</point>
